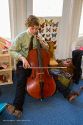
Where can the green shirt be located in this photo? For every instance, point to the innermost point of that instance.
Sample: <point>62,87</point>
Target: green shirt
<point>21,45</point>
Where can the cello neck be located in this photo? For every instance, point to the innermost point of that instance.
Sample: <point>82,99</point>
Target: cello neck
<point>40,60</point>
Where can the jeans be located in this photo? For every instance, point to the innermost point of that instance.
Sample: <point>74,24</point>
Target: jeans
<point>76,60</point>
<point>21,79</point>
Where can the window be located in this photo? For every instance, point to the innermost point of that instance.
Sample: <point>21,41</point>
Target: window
<point>46,8</point>
<point>4,19</point>
<point>81,24</point>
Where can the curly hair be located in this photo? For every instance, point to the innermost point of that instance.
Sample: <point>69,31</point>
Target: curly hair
<point>31,21</point>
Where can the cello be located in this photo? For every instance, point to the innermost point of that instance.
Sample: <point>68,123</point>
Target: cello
<point>40,84</point>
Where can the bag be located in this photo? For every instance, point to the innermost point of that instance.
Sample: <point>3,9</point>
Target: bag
<point>65,78</point>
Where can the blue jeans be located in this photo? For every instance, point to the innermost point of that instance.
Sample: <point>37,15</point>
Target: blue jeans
<point>76,60</point>
<point>21,79</point>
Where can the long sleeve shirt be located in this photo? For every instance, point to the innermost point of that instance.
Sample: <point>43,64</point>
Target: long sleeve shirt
<point>21,45</point>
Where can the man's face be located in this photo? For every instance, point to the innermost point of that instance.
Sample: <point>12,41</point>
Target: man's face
<point>33,29</point>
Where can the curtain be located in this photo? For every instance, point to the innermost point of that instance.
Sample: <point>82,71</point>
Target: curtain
<point>69,27</point>
<point>18,14</point>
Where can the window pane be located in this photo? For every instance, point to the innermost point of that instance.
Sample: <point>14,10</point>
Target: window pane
<point>81,23</point>
<point>4,19</point>
<point>46,8</point>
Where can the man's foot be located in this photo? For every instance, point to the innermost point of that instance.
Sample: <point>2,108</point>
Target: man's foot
<point>10,108</point>
<point>13,111</point>
<point>17,113</point>
<point>72,96</point>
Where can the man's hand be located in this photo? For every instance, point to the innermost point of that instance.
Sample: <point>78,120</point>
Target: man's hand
<point>42,42</point>
<point>25,62</point>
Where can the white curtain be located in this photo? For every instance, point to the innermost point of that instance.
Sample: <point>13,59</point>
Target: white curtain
<point>69,27</point>
<point>18,14</point>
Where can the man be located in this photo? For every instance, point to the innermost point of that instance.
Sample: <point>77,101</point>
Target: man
<point>19,51</point>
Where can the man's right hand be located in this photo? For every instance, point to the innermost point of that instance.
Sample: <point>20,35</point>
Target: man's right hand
<point>25,62</point>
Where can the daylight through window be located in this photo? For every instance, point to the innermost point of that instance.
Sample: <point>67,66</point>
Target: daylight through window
<point>4,19</point>
<point>46,8</point>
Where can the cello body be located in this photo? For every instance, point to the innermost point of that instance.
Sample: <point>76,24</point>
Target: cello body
<point>40,84</point>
